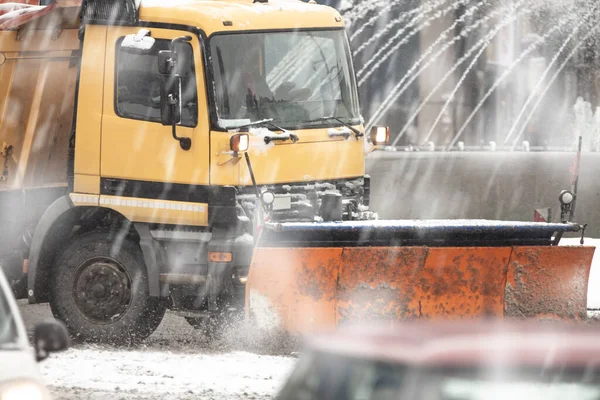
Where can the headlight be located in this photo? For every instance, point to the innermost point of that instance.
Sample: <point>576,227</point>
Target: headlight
<point>566,197</point>
<point>380,135</point>
<point>239,142</point>
<point>23,389</point>
<point>268,198</point>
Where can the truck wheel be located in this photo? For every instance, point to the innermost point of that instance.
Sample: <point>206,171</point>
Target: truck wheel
<point>101,291</point>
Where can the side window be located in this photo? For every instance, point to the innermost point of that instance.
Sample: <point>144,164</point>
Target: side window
<point>138,84</point>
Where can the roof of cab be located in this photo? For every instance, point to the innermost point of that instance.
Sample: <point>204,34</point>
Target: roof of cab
<point>467,343</point>
<point>210,15</point>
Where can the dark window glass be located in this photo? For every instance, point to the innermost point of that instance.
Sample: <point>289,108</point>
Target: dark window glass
<point>138,85</point>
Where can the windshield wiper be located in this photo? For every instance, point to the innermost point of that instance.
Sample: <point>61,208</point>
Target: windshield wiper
<point>357,133</point>
<point>286,135</point>
<point>253,124</point>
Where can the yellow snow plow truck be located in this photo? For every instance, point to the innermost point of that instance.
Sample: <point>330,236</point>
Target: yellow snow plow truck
<point>207,157</point>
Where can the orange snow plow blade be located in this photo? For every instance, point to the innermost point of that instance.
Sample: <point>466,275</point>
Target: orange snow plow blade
<point>304,278</point>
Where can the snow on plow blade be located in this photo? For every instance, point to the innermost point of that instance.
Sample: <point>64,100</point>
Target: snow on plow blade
<point>308,277</point>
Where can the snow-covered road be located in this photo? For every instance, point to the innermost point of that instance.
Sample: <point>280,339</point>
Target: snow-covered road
<point>176,362</point>
<point>99,373</point>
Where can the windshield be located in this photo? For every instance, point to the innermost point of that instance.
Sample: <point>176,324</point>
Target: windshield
<point>8,328</point>
<point>292,77</point>
<point>320,378</point>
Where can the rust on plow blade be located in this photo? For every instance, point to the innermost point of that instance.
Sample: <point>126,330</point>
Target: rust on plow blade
<point>548,282</point>
<point>299,290</point>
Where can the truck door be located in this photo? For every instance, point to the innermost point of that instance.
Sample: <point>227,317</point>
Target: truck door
<point>137,149</point>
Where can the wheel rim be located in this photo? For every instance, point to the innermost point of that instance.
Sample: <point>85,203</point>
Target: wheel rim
<point>102,290</point>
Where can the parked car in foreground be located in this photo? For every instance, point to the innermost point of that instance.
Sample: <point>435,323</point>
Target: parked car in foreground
<point>20,378</point>
<point>450,361</point>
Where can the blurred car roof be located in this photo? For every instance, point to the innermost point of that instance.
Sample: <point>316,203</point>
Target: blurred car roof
<point>467,343</point>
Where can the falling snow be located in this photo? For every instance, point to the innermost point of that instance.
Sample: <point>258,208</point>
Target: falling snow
<point>506,78</point>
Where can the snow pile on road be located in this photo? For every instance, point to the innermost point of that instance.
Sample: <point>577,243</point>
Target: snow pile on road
<point>160,375</point>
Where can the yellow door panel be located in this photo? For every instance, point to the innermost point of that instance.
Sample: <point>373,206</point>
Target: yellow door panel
<point>89,103</point>
<point>87,184</point>
<point>135,148</point>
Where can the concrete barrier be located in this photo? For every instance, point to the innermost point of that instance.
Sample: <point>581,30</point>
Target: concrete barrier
<point>489,185</point>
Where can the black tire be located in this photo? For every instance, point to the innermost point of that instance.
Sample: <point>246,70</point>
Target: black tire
<point>100,291</point>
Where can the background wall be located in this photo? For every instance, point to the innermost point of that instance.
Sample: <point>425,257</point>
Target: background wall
<point>499,185</point>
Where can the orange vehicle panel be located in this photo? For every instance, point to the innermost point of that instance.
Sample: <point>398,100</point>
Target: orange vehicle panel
<point>400,283</point>
<point>463,282</point>
<point>548,282</point>
<point>378,283</point>
<point>302,290</point>
<point>296,290</point>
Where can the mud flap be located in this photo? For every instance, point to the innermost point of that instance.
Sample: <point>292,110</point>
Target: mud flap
<point>302,290</point>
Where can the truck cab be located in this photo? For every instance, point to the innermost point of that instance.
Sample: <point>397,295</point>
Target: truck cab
<point>145,141</point>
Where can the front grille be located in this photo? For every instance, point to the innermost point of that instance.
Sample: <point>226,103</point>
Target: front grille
<point>306,198</point>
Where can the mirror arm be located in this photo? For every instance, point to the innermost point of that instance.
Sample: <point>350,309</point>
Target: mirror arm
<point>184,142</point>
<point>177,40</point>
<point>172,45</point>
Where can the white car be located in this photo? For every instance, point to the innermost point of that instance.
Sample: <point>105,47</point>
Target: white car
<point>20,377</point>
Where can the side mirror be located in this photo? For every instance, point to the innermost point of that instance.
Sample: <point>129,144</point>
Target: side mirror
<point>178,59</point>
<point>380,135</point>
<point>173,64</point>
<point>165,62</point>
<point>170,104</point>
<point>49,337</point>
<point>139,43</point>
<point>170,108</point>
